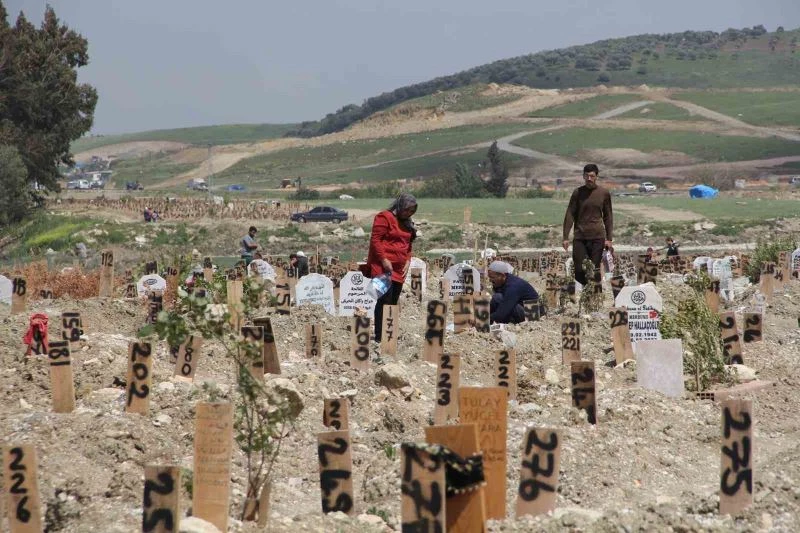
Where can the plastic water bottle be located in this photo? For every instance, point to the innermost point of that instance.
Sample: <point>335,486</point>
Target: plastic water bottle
<point>377,287</point>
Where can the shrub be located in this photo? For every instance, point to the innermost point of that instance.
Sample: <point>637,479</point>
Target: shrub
<point>765,252</point>
<point>304,193</point>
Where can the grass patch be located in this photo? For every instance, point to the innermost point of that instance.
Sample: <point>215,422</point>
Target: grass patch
<point>148,169</point>
<point>724,209</point>
<point>469,98</point>
<point>759,108</point>
<point>588,107</point>
<point>660,111</point>
<point>709,147</point>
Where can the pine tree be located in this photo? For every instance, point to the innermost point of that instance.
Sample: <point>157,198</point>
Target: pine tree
<point>498,173</point>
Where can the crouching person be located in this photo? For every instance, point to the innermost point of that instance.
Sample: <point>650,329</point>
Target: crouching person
<point>509,293</point>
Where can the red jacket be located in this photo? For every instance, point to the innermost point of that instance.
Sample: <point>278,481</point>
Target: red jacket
<point>390,241</point>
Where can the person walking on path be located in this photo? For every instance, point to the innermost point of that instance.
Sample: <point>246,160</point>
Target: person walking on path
<point>249,245</point>
<point>589,211</point>
<point>393,233</point>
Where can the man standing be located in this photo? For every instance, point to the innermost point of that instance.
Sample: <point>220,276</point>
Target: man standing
<point>509,293</point>
<point>249,245</point>
<point>590,212</point>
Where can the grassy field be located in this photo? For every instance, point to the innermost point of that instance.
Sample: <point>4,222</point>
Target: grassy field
<point>470,98</point>
<point>660,111</point>
<point>203,135</point>
<point>149,169</point>
<point>759,108</point>
<point>588,107</point>
<point>320,165</point>
<point>722,209</point>
<point>705,146</point>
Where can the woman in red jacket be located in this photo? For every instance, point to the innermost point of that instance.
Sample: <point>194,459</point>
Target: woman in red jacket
<point>390,250</point>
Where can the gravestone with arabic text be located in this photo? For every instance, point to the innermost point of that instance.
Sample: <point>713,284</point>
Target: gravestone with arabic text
<point>315,289</point>
<point>353,294</point>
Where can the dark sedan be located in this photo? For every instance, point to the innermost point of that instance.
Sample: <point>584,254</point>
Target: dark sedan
<point>320,214</point>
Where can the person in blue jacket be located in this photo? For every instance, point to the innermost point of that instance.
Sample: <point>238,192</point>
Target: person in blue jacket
<point>509,293</point>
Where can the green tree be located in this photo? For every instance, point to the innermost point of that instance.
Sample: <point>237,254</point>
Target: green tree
<point>498,173</point>
<point>15,199</point>
<point>467,183</point>
<point>42,107</point>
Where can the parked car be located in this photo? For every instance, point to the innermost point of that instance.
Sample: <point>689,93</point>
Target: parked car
<point>235,188</point>
<point>647,187</point>
<point>320,214</point>
<point>99,184</point>
<point>197,185</point>
<point>133,186</point>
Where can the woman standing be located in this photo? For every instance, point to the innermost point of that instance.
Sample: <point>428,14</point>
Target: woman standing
<point>390,250</point>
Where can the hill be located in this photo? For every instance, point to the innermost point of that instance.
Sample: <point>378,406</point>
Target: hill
<point>750,57</point>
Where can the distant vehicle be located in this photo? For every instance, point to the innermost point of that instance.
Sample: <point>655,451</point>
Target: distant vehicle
<point>647,187</point>
<point>78,184</point>
<point>97,185</point>
<point>794,180</point>
<point>197,185</point>
<point>133,186</point>
<point>235,188</point>
<point>320,214</point>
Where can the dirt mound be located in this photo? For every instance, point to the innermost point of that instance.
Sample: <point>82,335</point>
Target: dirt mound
<point>130,150</point>
<point>630,156</point>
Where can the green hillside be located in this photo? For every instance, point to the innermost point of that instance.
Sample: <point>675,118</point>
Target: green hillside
<point>759,108</point>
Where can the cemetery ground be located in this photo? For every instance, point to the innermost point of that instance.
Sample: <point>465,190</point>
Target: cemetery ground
<point>651,463</point>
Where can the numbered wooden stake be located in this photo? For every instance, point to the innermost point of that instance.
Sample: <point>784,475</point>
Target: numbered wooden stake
<point>422,485</point>
<point>621,334</point>
<point>162,498</point>
<point>272,364</point>
<point>359,343</point>
<point>61,379</point>
<point>22,489</point>
<point>416,283</point>
<point>712,296</point>
<point>213,445</point>
<point>172,286</point>
<point>391,329</point>
<point>336,413</point>
<point>736,463</point>
<point>505,371</point>
<point>731,343</point>
<point>753,325</point>
<point>283,295</point>
<point>151,267</point>
<point>235,306</point>
<point>617,282</point>
<point>255,335</point>
<point>444,289</point>
<point>481,305</point>
<point>551,291</point>
<point>335,471</point>
<point>434,330</point>
<point>71,326</point>
<point>138,378</point>
<point>583,388</point>
<point>106,285</point>
<point>538,476</point>
<point>531,309</point>
<point>46,293</point>
<point>313,340</point>
<point>767,280</point>
<point>462,312</point>
<point>447,384</point>
<point>570,340</point>
<point>19,295</point>
<point>488,408</point>
<point>187,358</point>
<point>155,304</point>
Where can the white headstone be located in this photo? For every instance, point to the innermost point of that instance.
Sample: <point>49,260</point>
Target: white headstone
<point>796,260</point>
<point>456,276</point>
<point>261,267</point>
<point>644,310</point>
<point>701,262</point>
<point>721,269</point>
<point>659,366</point>
<point>416,262</point>
<point>150,282</point>
<point>6,288</point>
<point>352,294</point>
<point>315,289</point>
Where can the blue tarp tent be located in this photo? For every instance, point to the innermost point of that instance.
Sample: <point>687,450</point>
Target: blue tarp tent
<point>703,191</point>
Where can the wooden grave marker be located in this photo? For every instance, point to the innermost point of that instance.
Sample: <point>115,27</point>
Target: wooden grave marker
<point>208,270</point>
<point>620,334</point>
<point>736,460</point>
<point>313,340</point>
<point>359,343</point>
<point>336,413</point>
<point>335,471</point>
<point>19,295</point>
<point>466,512</point>
<point>235,306</point>
<point>255,335</point>
<point>422,485</point>
<point>391,329</point>
<point>151,267</point>
<point>617,282</point>
<point>272,364</point>
<point>161,502</point>
<point>187,357</point>
<point>462,312</point>
<point>213,446</point>
<point>138,378</point>
<point>62,382</point>
<point>448,379</point>
<point>283,294</point>
<point>481,306</point>
<point>416,283</point>
<point>570,340</point>
<point>712,296</point>
<point>753,324</point>
<point>538,476</point>
<point>106,288</point>
<point>731,342</point>
<point>488,408</point>
<point>23,504</point>
<point>155,304</point>
<point>767,280</point>
<point>505,371</point>
<point>531,310</point>
<point>172,286</point>
<point>434,331</point>
<point>71,326</point>
<point>583,388</point>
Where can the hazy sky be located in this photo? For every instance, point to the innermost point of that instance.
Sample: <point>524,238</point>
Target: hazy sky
<point>176,63</point>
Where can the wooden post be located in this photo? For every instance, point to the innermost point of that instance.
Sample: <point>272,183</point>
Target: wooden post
<point>172,286</point>
<point>712,296</point>
<point>538,477</point>
<point>447,384</point>
<point>621,334</point>
<point>106,289</point>
<point>731,343</point>
<point>19,296</point>
<point>531,310</point>
<point>272,364</point>
<point>138,378</point>
<point>767,280</point>
<point>335,471</point>
<point>61,379</point>
<point>161,503</point>
<point>22,489</point>
<point>422,487</point>
<point>583,388</point>
<point>416,283</point>
<point>255,335</point>
<point>313,340</point>
<point>71,326</point>
<point>359,343</point>
<point>481,306</point>
<point>462,312</point>
<point>434,330</point>
<point>186,361</point>
<point>336,413</point>
<point>235,307</point>
<point>736,460</point>
<point>213,446</point>
<point>390,330</point>
<point>505,371</point>
<point>283,295</point>
<point>753,325</point>
<point>570,340</point>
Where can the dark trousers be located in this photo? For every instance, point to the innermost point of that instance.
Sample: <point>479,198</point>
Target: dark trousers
<point>587,249</point>
<point>517,315</point>
<point>390,298</point>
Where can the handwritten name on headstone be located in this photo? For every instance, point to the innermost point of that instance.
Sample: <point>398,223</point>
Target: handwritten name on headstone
<point>359,343</point>
<point>213,446</point>
<point>22,489</point>
<point>434,330</point>
<point>161,501</point>
<point>61,379</point>
<point>335,471</point>
<point>505,371</point>
<point>391,329</point>
<point>753,324</point>
<point>731,342</point>
<point>570,340</point>
<point>138,378</point>
<point>447,384</point>
<point>538,477</point>
<point>422,485</point>
<point>336,413</point>
<point>583,388</point>
<point>620,334</point>
<point>736,459</point>
<point>187,358</point>
<point>313,340</point>
<point>482,306</point>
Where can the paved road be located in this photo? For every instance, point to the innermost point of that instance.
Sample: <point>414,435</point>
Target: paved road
<point>621,110</point>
